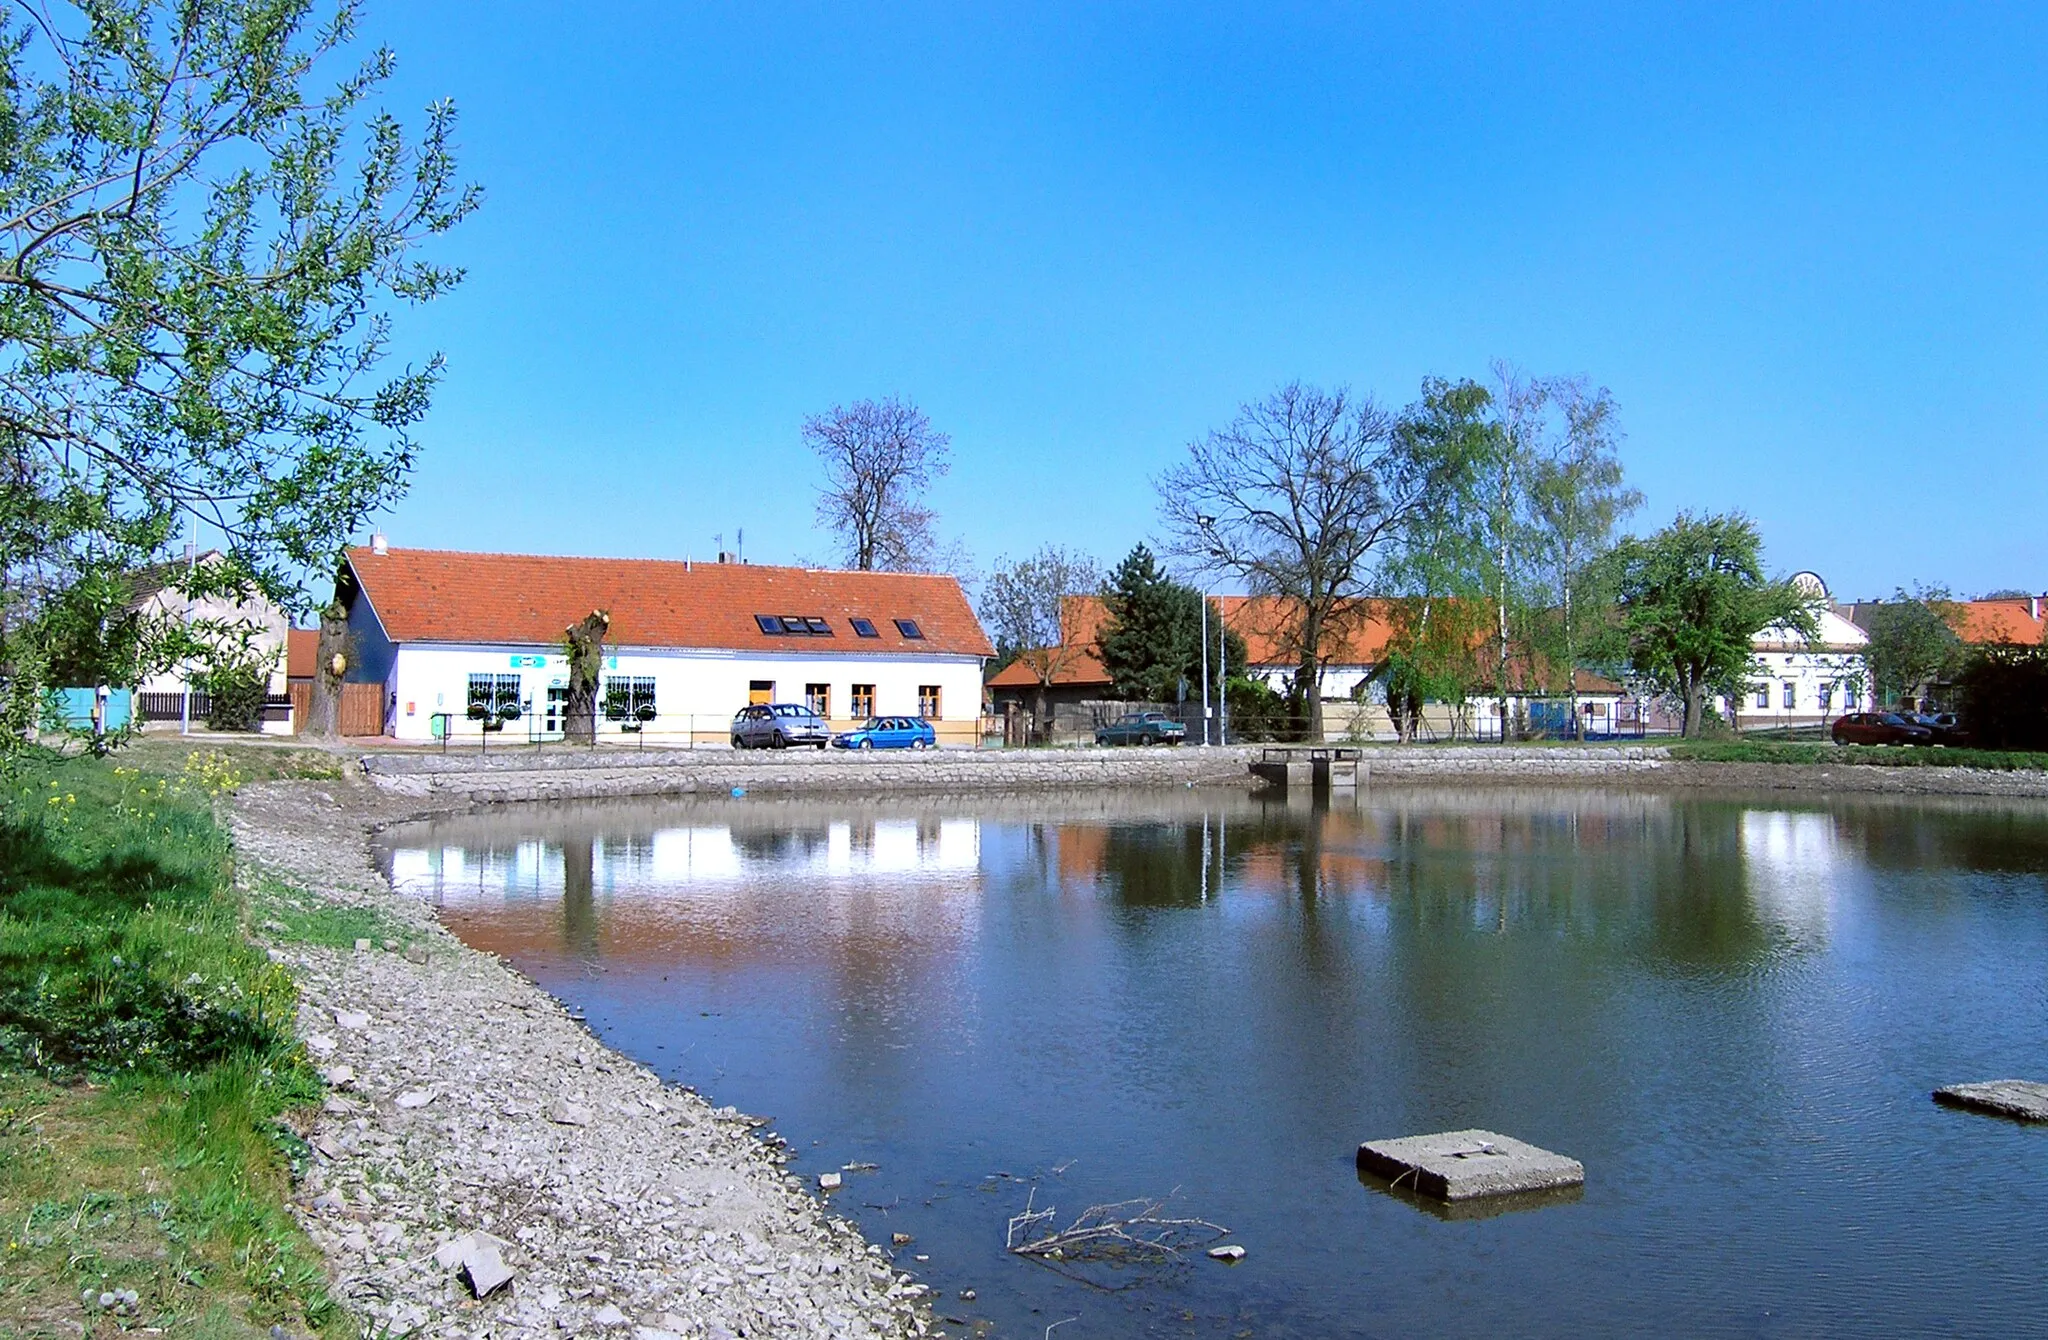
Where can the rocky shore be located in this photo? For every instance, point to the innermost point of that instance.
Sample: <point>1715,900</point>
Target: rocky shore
<point>464,1100</point>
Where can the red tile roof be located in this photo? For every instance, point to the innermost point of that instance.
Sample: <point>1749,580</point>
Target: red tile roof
<point>1360,637</point>
<point>1082,668</point>
<point>429,595</point>
<point>2016,620</point>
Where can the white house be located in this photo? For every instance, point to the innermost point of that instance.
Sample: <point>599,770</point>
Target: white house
<point>254,626</point>
<point>689,644</point>
<point>1793,683</point>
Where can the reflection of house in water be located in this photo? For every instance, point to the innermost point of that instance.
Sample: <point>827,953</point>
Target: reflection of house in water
<point>1793,862</point>
<point>718,890</point>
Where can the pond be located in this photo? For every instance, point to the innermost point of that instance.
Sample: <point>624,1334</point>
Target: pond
<point>1731,1008</point>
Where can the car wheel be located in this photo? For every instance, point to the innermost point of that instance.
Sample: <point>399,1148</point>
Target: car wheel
<point>778,741</point>
<point>1148,739</point>
<point>738,743</point>
<point>917,744</point>
<point>867,743</point>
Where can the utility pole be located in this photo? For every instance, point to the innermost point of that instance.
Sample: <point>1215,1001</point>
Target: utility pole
<point>1205,671</point>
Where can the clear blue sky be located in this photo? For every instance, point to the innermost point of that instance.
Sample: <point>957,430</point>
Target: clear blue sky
<point>1804,250</point>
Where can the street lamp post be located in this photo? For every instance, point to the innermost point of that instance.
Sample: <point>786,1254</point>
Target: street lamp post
<point>1208,525</point>
<point>1206,522</point>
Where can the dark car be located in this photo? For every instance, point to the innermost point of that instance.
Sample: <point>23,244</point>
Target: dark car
<point>888,733</point>
<point>778,726</point>
<point>1944,726</point>
<point>1879,728</point>
<point>1141,728</point>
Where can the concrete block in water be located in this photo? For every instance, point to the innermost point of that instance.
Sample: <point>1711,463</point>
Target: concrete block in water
<point>2022,1098</point>
<point>1460,1165</point>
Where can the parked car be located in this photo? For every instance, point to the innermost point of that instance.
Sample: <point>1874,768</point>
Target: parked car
<point>1944,726</point>
<point>1141,728</point>
<point>778,726</point>
<point>1879,728</point>
<point>888,733</point>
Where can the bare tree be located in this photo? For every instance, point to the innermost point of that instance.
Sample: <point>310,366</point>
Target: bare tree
<point>879,457</point>
<point>1021,604</point>
<point>1294,496</point>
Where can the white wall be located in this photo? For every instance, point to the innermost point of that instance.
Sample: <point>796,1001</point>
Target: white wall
<point>694,690</point>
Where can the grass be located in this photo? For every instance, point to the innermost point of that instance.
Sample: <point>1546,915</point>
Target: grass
<point>1862,755</point>
<point>148,1065</point>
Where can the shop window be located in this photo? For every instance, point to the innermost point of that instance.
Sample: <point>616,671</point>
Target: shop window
<point>494,699</point>
<point>629,700</point>
<point>928,701</point>
<point>863,701</point>
<point>818,697</point>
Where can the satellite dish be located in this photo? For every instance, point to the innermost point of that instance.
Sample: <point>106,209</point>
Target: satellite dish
<point>1810,585</point>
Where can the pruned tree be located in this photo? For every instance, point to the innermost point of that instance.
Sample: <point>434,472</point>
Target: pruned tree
<point>1021,605</point>
<point>200,252</point>
<point>1576,497</point>
<point>879,458</point>
<point>585,644</point>
<point>1692,599</point>
<point>1913,643</point>
<point>1296,496</point>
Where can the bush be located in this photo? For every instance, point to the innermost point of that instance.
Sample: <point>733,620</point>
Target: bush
<point>2004,697</point>
<point>237,691</point>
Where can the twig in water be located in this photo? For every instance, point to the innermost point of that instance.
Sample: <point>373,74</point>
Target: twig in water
<point>1126,1230</point>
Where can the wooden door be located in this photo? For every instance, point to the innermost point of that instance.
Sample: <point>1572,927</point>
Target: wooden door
<point>301,694</point>
<point>362,709</point>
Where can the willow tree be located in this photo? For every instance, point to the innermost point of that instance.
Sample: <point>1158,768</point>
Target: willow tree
<point>203,239</point>
<point>585,645</point>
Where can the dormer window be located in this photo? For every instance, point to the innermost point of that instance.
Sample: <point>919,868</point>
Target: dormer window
<point>909,629</point>
<point>864,628</point>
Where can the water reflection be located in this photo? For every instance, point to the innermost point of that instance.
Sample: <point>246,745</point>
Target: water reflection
<point>1729,1008</point>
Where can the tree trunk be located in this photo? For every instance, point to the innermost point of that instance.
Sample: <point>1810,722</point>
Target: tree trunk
<point>323,714</point>
<point>1693,696</point>
<point>586,662</point>
<point>1041,725</point>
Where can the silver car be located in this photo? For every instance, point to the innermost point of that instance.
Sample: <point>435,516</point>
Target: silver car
<point>778,726</point>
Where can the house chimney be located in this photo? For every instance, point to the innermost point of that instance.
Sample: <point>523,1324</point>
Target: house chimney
<point>724,556</point>
<point>379,543</point>
<point>2034,608</point>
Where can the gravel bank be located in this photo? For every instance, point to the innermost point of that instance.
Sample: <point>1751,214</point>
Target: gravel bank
<point>463,1098</point>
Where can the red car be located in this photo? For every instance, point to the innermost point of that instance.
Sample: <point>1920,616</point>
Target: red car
<point>1879,728</point>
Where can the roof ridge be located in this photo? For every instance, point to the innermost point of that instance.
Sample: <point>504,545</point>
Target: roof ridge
<point>614,558</point>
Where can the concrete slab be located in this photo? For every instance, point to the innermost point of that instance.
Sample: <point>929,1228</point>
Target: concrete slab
<point>2025,1099</point>
<point>1462,1165</point>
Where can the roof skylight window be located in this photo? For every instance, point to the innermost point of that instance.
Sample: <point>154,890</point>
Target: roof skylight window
<point>770,625</point>
<point>818,627</point>
<point>909,629</point>
<point>865,628</point>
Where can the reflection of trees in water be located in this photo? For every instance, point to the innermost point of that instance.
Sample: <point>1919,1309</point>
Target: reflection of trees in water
<point>1973,838</point>
<point>781,844</point>
<point>579,897</point>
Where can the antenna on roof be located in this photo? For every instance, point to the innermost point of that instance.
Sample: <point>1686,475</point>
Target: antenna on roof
<point>739,542</point>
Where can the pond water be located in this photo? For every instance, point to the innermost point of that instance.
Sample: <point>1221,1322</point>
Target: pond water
<point>1730,1008</point>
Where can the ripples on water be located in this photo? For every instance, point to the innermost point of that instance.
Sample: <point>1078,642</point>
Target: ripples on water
<point>1732,1010</point>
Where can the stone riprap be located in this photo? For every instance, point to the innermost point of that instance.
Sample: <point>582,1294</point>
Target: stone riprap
<point>1463,1165</point>
<point>483,1167</point>
<point>2024,1099</point>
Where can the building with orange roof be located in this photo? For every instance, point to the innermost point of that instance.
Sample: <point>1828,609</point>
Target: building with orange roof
<point>689,644</point>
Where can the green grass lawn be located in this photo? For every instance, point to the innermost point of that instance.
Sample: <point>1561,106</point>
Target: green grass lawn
<point>148,1066</point>
<point>1863,755</point>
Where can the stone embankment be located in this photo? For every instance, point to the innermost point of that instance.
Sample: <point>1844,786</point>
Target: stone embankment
<point>567,773</point>
<point>463,1099</point>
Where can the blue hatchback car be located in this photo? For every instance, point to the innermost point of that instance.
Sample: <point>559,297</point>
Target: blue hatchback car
<point>888,733</point>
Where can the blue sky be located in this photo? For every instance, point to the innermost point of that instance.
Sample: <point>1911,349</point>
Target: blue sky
<point>1803,249</point>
